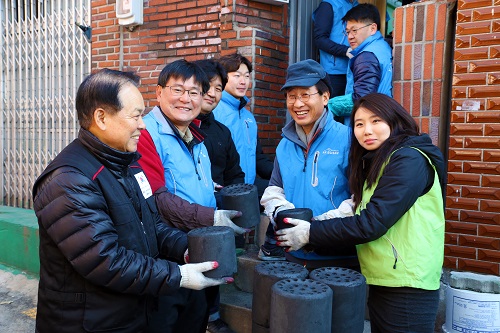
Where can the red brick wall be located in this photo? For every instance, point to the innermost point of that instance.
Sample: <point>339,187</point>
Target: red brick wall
<point>421,62</point>
<point>175,29</point>
<point>259,32</point>
<point>473,198</point>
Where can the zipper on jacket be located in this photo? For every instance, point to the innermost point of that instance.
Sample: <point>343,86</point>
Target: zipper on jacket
<point>331,193</point>
<point>174,184</point>
<point>145,237</point>
<point>202,171</point>
<point>305,161</point>
<point>248,129</point>
<point>191,152</point>
<point>314,175</point>
<point>196,168</point>
<point>394,252</point>
<point>306,151</point>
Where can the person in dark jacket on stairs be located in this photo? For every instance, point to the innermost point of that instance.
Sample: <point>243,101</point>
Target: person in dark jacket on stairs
<point>225,166</point>
<point>103,246</point>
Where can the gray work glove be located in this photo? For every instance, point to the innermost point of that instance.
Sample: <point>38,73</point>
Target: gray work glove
<point>192,276</point>
<point>296,237</point>
<point>346,208</point>
<point>223,218</point>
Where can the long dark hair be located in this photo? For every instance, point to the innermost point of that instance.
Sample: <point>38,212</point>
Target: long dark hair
<point>402,126</point>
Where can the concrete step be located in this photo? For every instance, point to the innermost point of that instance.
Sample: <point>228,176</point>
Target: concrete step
<point>236,308</point>
<point>246,264</point>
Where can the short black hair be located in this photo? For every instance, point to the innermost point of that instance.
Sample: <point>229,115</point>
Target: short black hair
<point>365,12</point>
<point>184,70</point>
<point>212,68</point>
<point>100,90</point>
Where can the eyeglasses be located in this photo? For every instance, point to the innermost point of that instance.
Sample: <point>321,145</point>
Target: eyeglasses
<point>303,98</point>
<point>179,91</point>
<point>355,31</point>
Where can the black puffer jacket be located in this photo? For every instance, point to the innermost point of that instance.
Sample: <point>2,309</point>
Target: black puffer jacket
<point>224,158</point>
<point>99,242</point>
<point>406,177</point>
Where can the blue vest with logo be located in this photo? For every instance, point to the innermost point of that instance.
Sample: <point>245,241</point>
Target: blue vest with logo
<point>243,127</point>
<point>318,179</point>
<point>379,47</point>
<point>186,175</point>
<point>333,64</point>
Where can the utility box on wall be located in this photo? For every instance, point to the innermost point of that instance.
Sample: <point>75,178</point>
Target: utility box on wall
<point>129,12</point>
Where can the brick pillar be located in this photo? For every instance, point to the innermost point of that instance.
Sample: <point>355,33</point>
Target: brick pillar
<point>422,59</point>
<point>259,32</point>
<point>473,197</point>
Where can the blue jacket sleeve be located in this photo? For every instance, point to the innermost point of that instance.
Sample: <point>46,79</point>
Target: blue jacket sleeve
<point>396,192</point>
<point>367,75</point>
<point>323,23</point>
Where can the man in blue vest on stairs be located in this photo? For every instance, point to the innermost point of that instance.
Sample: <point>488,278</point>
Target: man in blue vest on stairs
<point>370,68</point>
<point>328,36</point>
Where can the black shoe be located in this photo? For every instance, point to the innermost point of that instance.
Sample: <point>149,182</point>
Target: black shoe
<point>271,252</point>
<point>218,326</point>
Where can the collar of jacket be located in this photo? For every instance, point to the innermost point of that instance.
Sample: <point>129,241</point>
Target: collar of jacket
<point>290,132</point>
<point>236,103</point>
<point>367,41</point>
<point>198,135</point>
<point>206,118</point>
<point>111,158</point>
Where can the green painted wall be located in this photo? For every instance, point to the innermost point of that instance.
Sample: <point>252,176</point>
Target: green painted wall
<point>19,239</point>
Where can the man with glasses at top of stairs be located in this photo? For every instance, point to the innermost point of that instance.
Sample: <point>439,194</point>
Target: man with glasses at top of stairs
<point>370,68</point>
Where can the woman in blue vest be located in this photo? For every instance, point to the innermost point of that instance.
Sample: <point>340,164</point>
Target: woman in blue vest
<point>397,178</point>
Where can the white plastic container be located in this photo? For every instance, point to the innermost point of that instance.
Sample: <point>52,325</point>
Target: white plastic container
<point>471,312</point>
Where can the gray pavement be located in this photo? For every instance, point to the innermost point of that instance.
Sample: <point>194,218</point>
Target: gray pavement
<point>18,294</point>
<point>17,301</point>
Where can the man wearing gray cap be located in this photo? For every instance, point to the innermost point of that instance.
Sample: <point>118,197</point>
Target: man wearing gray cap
<point>310,169</point>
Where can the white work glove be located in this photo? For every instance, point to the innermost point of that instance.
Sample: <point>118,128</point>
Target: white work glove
<point>223,218</point>
<point>346,208</point>
<point>192,276</point>
<point>296,237</point>
<point>274,201</point>
<point>348,53</point>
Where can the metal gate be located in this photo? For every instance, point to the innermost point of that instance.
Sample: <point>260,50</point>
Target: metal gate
<point>45,56</point>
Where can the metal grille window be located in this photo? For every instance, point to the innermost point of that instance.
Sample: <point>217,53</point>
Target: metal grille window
<point>45,56</point>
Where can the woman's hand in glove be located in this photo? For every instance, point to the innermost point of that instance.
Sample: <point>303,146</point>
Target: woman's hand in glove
<point>192,276</point>
<point>296,237</point>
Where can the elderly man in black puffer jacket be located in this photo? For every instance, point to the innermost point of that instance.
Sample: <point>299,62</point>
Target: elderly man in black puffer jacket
<point>101,238</point>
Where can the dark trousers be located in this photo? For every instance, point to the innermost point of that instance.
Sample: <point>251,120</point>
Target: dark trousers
<point>213,299</point>
<point>405,310</point>
<point>338,82</point>
<point>183,312</point>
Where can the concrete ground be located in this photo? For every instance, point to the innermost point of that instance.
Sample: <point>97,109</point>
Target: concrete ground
<point>17,301</point>
<point>18,295</point>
